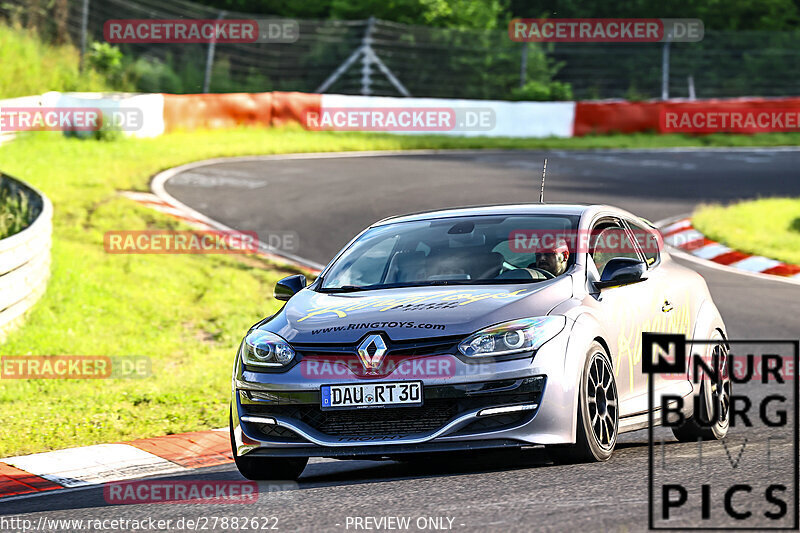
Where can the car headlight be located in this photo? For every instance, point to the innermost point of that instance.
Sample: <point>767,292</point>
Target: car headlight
<point>263,348</point>
<point>523,335</point>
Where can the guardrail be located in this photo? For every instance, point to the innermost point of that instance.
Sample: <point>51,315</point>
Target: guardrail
<point>24,258</point>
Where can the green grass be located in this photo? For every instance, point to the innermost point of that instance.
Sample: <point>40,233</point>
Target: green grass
<point>768,227</point>
<point>32,67</point>
<point>186,312</point>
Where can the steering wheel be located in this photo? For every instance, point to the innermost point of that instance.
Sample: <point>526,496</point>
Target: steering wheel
<point>547,274</point>
<point>507,266</point>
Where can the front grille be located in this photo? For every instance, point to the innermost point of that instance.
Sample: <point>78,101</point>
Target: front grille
<point>398,352</point>
<point>369,421</point>
<point>409,347</point>
<point>433,415</point>
<point>363,422</point>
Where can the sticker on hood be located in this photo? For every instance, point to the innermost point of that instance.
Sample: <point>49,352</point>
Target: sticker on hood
<point>417,302</point>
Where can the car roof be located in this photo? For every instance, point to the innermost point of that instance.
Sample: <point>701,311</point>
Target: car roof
<point>509,209</point>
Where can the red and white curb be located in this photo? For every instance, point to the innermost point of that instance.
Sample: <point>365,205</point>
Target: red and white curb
<point>105,463</point>
<point>203,223</point>
<point>681,235</point>
<point>154,202</point>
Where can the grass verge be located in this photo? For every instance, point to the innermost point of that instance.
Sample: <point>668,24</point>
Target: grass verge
<point>768,227</point>
<point>185,312</point>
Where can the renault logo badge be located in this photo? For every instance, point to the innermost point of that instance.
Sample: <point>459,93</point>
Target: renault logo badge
<point>371,352</point>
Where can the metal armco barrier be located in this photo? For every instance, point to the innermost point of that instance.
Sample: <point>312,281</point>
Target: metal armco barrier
<point>24,258</point>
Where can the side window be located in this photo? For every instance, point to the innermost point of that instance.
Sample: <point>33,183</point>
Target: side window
<point>609,240</point>
<point>648,241</point>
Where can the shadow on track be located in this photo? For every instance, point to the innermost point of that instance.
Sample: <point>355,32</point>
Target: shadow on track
<point>333,473</point>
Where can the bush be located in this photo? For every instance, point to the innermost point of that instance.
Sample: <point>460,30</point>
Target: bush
<point>106,59</point>
<point>539,91</point>
<point>151,75</point>
<point>32,67</point>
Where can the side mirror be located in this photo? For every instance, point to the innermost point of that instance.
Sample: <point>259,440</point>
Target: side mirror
<point>622,271</point>
<point>289,286</point>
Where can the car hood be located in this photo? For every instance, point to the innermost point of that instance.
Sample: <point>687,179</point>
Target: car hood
<point>412,312</point>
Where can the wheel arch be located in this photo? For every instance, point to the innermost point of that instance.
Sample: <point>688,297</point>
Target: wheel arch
<point>708,322</point>
<point>585,331</point>
<point>602,342</point>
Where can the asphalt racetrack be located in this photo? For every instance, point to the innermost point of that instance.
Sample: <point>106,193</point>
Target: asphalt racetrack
<point>324,202</point>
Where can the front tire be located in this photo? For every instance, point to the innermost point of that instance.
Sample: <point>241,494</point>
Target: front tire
<point>267,468</point>
<point>598,412</point>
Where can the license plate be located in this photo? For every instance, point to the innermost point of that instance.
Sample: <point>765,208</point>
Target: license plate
<point>372,394</point>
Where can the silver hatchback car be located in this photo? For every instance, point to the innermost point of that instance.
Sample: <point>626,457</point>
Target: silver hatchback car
<point>470,329</point>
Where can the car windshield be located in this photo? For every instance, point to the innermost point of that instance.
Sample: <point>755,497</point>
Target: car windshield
<point>454,251</point>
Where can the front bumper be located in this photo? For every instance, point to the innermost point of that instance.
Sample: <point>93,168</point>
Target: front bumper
<point>278,414</point>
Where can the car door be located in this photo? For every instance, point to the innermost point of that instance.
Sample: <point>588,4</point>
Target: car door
<point>627,311</point>
<point>669,301</point>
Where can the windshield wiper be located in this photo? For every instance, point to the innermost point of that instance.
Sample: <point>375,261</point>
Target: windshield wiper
<point>345,288</point>
<point>509,281</point>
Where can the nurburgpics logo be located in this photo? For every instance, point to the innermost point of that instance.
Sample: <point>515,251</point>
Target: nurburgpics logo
<point>738,468</point>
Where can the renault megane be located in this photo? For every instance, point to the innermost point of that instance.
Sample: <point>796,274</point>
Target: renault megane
<point>471,329</point>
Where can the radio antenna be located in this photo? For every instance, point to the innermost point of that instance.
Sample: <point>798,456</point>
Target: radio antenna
<point>544,172</point>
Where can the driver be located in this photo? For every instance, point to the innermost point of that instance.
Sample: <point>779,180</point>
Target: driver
<point>553,260</point>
